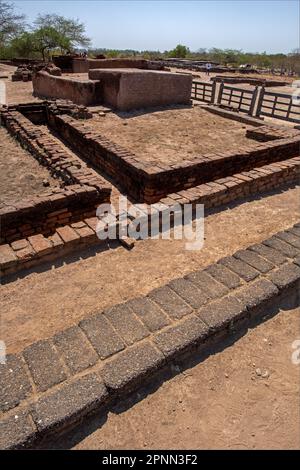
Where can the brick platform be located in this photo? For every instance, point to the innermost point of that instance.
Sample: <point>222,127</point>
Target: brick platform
<point>148,183</point>
<point>129,88</point>
<point>53,383</point>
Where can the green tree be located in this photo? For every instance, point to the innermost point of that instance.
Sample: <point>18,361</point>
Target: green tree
<point>24,45</point>
<point>11,24</point>
<point>180,51</point>
<point>47,39</point>
<point>71,31</point>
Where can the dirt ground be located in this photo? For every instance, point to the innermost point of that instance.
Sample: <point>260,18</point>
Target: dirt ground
<point>220,403</point>
<point>170,136</point>
<point>37,306</point>
<point>21,175</point>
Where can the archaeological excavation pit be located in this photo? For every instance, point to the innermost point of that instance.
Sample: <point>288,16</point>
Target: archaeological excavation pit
<point>178,154</point>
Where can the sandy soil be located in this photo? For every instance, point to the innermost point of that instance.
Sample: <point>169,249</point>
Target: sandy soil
<point>170,136</point>
<point>220,403</point>
<point>21,175</point>
<point>43,303</point>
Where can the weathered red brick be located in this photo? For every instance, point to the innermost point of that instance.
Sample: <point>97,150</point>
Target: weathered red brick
<point>40,244</point>
<point>67,234</point>
<point>19,244</point>
<point>7,256</point>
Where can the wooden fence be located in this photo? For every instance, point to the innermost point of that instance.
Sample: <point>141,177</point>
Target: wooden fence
<point>203,91</point>
<point>257,102</point>
<point>279,106</point>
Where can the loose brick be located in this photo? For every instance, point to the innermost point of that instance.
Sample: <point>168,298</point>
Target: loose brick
<point>189,292</point>
<point>126,323</point>
<point>56,240</point>
<point>170,302</point>
<point>86,234</point>
<point>14,383</point>
<point>150,314</point>
<point>69,403</point>
<point>25,254</point>
<point>101,334</point>
<point>188,333</point>
<point>284,248</point>
<point>272,255</point>
<point>208,284</point>
<point>92,222</point>
<point>40,244</point>
<point>257,294</point>
<point>289,238</point>
<point>132,366</point>
<point>44,364</point>
<point>241,268</point>
<point>222,312</point>
<point>16,430</point>
<point>19,244</point>
<point>254,260</point>
<point>67,234</point>
<point>287,276</point>
<point>76,225</point>
<point>224,275</point>
<point>75,349</point>
<point>7,256</point>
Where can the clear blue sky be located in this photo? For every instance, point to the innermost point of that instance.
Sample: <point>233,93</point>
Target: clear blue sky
<point>251,25</point>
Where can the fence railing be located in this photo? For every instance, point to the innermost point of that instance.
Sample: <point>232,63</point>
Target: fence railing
<point>240,98</point>
<point>257,102</point>
<point>203,91</point>
<point>279,106</point>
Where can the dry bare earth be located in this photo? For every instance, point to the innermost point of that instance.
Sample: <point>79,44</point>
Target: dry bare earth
<point>171,136</point>
<point>21,175</point>
<point>41,304</point>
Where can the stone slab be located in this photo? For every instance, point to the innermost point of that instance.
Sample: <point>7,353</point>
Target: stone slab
<point>132,366</point>
<point>101,334</point>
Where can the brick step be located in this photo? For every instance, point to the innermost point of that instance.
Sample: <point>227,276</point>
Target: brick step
<point>55,382</point>
<point>32,251</point>
<point>224,190</point>
<point>149,182</point>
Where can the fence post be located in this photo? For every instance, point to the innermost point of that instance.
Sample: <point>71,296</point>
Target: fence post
<point>220,92</point>
<point>213,92</point>
<point>253,101</point>
<point>260,101</point>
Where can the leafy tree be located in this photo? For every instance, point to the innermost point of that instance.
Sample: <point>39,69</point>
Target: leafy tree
<point>71,32</point>
<point>11,24</point>
<point>47,39</point>
<point>180,51</point>
<point>24,45</point>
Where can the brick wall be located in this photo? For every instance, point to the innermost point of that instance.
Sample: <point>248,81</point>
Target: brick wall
<point>149,183</point>
<point>82,188</point>
<point>81,92</point>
